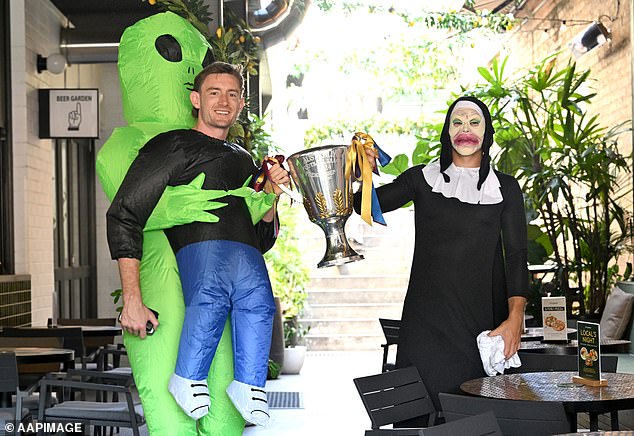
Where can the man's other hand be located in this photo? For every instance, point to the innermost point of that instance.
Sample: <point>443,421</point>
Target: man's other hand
<point>135,316</point>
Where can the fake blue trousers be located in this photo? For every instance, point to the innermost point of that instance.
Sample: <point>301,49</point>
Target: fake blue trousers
<point>219,277</point>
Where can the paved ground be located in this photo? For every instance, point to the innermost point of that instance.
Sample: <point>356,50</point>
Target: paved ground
<point>331,403</point>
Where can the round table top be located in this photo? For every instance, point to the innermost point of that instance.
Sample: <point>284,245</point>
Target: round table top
<point>552,386</point>
<point>40,354</point>
<point>607,346</point>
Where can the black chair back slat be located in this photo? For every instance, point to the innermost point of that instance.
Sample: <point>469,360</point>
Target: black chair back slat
<point>396,396</point>
<point>401,412</point>
<point>391,329</point>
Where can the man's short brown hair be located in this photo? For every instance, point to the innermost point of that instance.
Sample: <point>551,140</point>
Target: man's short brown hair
<point>218,68</point>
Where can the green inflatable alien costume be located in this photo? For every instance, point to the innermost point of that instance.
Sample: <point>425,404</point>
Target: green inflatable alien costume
<point>158,60</point>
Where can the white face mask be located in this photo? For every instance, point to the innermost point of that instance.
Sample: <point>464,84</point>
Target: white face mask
<point>466,130</point>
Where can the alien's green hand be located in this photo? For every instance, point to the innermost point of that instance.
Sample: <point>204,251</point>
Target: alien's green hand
<point>185,204</point>
<point>258,203</point>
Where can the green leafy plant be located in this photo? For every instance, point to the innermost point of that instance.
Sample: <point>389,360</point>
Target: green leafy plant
<point>116,296</point>
<point>274,369</point>
<point>574,177</point>
<point>294,332</point>
<point>195,11</point>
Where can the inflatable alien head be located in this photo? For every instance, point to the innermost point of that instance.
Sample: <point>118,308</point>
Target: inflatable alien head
<point>159,57</point>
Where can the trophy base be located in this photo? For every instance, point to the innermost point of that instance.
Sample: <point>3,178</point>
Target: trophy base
<point>339,261</point>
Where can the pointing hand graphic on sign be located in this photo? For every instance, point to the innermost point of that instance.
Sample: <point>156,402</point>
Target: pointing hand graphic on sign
<point>74,118</point>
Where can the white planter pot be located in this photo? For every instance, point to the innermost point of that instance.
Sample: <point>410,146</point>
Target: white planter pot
<point>293,359</point>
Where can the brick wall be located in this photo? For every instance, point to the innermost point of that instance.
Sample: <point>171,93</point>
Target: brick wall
<point>610,64</point>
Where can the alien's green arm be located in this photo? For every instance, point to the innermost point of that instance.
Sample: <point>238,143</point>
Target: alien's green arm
<point>178,205</point>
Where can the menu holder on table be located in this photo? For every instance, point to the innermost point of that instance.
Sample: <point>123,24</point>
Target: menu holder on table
<point>589,355</point>
<point>555,321</point>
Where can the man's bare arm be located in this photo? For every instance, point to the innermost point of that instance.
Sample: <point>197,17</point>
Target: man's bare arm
<point>134,315</point>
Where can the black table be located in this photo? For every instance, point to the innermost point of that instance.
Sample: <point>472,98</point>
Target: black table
<point>92,331</point>
<point>607,346</point>
<point>537,334</point>
<point>558,386</point>
<point>34,355</point>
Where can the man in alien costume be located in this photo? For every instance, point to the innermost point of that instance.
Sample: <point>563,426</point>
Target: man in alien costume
<point>158,59</point>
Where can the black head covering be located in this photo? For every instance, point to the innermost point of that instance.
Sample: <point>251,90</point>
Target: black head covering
<point>445,141</point>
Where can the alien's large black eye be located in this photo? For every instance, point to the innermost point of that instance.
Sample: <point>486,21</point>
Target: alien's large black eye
<point>209,58</point>
<point>169,48</point>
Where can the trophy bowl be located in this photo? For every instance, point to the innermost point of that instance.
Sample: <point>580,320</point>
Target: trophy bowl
<point>319,174</point>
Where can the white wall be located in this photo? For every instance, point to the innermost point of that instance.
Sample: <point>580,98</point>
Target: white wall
<point>35,29</point>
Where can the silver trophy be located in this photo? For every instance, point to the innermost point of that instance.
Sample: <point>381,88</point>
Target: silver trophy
<point>319,173</point>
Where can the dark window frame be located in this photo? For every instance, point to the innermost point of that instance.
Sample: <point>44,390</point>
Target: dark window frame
<point>75,228</point>
<point>7,255</point>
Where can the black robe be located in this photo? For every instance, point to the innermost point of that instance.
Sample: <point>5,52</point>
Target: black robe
<point>468,260</point>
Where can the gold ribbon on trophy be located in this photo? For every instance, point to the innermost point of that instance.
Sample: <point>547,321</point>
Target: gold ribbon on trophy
<point>358,168</point>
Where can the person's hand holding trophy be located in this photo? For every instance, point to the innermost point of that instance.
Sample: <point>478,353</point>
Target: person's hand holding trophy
<point>324,177</point>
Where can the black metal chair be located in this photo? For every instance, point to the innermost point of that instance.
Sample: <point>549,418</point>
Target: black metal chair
<point>9,386</point>
<point>391,329</point>
<point>102,413</point>
<point>395,396</point>
<point>484,424</point>
<point>92,344</point>
<point>538,362</point>
<point>517,418</point>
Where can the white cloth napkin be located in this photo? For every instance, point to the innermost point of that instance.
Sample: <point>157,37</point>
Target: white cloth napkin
<point>492,354</point>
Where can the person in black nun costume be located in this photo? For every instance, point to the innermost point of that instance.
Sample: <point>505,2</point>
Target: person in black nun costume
<point>469,270</point>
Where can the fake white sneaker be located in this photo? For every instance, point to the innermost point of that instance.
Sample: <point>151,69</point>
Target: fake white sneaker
<point>191,395</point>
<point>250,401</point>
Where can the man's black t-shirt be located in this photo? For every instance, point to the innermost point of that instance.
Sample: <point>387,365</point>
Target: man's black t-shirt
<point>176,158</point>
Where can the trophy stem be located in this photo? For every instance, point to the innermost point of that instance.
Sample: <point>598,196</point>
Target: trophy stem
<point>338,250</point>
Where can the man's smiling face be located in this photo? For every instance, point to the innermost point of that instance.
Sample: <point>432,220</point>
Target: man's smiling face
<point>219,102</point>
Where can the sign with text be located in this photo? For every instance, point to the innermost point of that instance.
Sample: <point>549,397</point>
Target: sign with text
<point>554,316</point>
<point>588,351</point>
<point>69,113</point>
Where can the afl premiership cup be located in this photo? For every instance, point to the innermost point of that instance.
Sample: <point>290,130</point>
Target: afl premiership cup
<point>319,174</point>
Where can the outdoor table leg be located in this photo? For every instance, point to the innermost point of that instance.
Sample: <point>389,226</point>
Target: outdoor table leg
<point>594,421</point>
<point>5,399</point>
<point>573,421</point>
<point>614,419</point>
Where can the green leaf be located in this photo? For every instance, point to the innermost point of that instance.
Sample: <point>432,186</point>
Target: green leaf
<point>398,164</point>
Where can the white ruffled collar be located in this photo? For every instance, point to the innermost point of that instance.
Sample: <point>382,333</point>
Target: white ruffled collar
<point>463,184</point>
